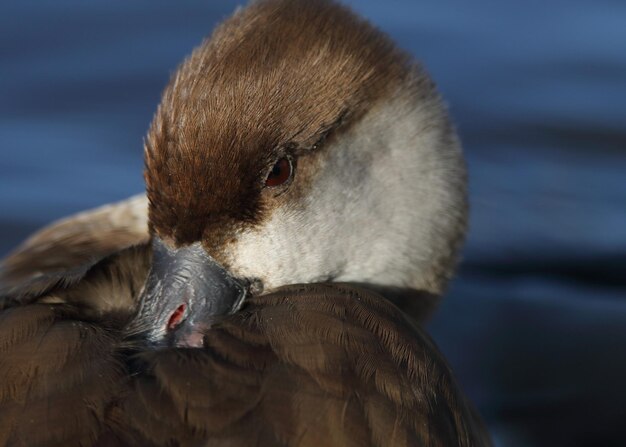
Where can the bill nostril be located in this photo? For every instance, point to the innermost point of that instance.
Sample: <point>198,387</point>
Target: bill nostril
<point>177,317</point>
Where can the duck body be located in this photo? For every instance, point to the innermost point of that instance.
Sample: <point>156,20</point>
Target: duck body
<point>299,165</point>
<point>308,365</point>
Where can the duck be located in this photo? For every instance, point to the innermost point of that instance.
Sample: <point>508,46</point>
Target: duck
<point>305,204</point>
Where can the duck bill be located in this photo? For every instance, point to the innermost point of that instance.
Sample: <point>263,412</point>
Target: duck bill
<point>186,291</point>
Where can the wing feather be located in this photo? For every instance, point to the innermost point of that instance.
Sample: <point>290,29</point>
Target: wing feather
<point>61,253</point>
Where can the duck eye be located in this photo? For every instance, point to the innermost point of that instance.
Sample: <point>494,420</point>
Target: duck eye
<point>280,173</point>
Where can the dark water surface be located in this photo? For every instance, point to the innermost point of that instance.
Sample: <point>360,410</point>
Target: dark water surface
<point>535,324</point>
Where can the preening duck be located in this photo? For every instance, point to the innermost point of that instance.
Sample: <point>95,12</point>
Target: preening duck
<point>298,167</point>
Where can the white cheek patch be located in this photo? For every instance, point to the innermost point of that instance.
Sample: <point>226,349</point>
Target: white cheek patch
<point>385,208</point>
<point>284,251</point>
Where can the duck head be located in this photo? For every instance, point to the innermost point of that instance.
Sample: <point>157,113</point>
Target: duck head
<point>296,145</point>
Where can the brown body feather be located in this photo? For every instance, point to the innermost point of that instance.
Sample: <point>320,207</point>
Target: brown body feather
<point>313,365</point>
<point>308,365</point>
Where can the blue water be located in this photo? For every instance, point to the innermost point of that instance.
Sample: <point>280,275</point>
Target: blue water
<point>535,324</point>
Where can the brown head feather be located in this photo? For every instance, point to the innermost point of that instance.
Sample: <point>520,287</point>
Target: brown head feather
<point>274,78</point>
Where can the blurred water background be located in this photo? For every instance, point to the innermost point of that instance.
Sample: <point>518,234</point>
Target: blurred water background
<point>535,323</point>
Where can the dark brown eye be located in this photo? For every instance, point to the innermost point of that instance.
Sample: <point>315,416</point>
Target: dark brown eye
<point>280,173</point>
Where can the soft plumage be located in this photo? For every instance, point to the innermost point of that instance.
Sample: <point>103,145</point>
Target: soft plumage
<point>309,365</point>
<point>284,288</point>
